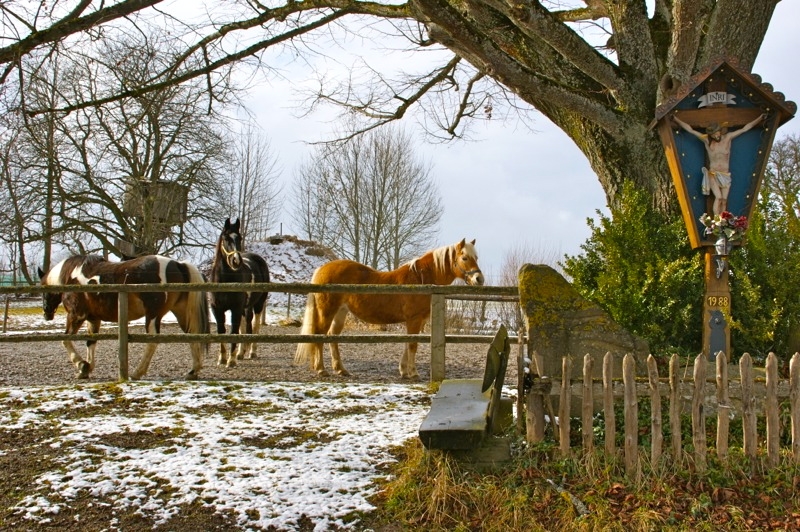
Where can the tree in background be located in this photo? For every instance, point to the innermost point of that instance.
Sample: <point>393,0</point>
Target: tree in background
<point>251,191</point>
<point>368,199</point>
<point>483,59</point>
<point>105,178</point>
<point>766,270</point>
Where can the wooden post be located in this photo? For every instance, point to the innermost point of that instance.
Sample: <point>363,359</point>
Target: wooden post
<point>794,401</point>
<point>675,407</point>
<point>608,403</point>
<point>587,412</point>
<point>771,410</point>
<point>438,307</point>
<point>564,405</point>
<point>716,306</point>
<point>699,414</point>
<point>749,434</point>
<point>723,406</point>
<point>656,430</point>
<point>122,313</point>
<point>631,408</point>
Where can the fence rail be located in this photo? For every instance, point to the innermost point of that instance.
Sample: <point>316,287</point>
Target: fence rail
<point>437,337</point>
<point>750,397</point>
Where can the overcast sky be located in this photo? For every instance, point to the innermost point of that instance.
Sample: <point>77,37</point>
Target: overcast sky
<point>513,188</point>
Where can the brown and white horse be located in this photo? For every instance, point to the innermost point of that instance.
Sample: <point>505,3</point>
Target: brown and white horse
<point>326,312</point>
<point>190,308</point>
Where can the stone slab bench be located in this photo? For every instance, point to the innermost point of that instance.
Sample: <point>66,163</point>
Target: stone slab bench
<point>464,411</point>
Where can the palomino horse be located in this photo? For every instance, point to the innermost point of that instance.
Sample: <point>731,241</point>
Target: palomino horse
<point>190,308</point>
<point>326,312</point>
<point>232,265</point>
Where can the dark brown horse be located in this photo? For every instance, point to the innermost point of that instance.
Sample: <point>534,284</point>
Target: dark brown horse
<point>233,265</point>
<point>190,308</point>
<point>326,312</point>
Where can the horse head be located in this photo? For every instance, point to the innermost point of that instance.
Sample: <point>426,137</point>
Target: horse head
<point>230,244</point>
<point>50,300</point>
<point>466,263</point>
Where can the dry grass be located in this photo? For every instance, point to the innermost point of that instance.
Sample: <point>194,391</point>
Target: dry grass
<point>538,491</point>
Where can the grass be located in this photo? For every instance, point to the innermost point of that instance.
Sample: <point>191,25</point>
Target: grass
<point>539,491</point>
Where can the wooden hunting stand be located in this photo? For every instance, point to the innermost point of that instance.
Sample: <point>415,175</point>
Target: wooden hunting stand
<point>722,96</point>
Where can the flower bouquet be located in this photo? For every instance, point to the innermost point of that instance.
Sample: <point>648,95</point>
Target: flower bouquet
<point>725,225</point>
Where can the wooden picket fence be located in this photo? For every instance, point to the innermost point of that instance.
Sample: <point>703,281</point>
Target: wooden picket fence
<point>749,397</point>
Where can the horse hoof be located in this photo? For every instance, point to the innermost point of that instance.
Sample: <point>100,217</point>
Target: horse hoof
<point>343,373</point>
<point>231,363</point>
<point>191,376</point>
<point>322,373</point>
<point>83,370</point>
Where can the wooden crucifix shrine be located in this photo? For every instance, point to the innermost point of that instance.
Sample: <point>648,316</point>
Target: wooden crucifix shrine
<point>717,133</point>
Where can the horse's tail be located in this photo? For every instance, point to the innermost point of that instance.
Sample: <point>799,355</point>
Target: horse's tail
<point>309,327</point>
<point>197,307</point>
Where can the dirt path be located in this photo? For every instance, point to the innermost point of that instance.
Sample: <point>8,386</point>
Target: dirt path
<point>46,363</point>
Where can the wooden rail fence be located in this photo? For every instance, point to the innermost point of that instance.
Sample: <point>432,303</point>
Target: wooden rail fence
<point>750,397</point>
<point>437,337</point>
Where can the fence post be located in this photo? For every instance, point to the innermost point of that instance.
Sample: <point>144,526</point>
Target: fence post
<point>771,410</point>
<point>794,401</point>
<point>608,403</point>
<point>564,407</point>
<point>587,417</point>
<point>631,414</point>
<point>698,413</point>
<point>656,430</point>
<point>723,406</point>
<point>675,407</point>
<point>122,313</point>
<point>438,307</point>
<point>749,434</point>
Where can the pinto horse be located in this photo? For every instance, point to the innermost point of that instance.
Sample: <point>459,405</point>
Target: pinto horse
<point>232,265</point>
<point>190,308</point>
<point>326,312</point>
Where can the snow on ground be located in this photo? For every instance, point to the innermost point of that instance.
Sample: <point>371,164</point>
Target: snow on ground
<point>296,450</point>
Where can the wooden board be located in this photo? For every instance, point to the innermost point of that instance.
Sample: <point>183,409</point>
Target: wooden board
<point>457,418</point>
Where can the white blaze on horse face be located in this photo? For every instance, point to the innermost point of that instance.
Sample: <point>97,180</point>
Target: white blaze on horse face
<point>472,276</point>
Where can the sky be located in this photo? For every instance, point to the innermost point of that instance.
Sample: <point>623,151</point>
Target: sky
<point>512,189</point>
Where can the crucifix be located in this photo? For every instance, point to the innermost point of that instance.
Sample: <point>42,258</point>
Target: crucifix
<point>717,131</point>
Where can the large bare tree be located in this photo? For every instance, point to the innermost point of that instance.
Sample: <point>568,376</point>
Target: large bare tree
<point>532,54</point>
<point>376,203</point>
<point>250,188</point>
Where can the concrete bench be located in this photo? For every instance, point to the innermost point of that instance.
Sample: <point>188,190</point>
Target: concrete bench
<point>464,411</point>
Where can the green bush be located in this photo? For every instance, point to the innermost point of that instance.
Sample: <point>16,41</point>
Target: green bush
<point>638,266</point>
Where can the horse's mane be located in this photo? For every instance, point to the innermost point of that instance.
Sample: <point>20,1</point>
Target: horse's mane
<point>69,264</point>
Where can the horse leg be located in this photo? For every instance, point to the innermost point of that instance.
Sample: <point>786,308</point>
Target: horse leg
<point>219,317</point>
<point>255,320</point>
<point>197,361</point>
<point>151,325</point>
<point>252,322</point>
<point>73,326</point>
<point>336,327</point>
<point>94,328</point>
<point>236,323</point>
<point>408,361</point>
